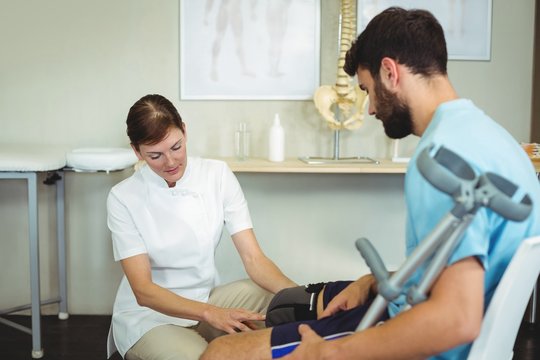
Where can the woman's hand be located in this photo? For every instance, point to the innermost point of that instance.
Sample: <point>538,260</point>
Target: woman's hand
<point>352,296</point>
<point>138,271</point>
<point>231,320</point>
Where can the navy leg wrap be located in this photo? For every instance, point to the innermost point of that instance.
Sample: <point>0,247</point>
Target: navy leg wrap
<point>294,304</point>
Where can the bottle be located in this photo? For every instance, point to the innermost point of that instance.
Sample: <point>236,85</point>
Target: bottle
<point>241,140</point>
<point>276,141</point>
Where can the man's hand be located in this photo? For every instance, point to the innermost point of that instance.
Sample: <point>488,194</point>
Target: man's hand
<point>312,347</point>
<point>352,296</point>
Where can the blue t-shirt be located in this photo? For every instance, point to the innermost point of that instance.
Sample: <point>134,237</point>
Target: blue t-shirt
<point>464,129</point>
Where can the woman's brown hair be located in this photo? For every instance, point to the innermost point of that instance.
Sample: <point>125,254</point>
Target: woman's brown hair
<point>150,119</point>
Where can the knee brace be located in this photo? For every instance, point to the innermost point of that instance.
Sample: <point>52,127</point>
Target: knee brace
<point>294,304</point>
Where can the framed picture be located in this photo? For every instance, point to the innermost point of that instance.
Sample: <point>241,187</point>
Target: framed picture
<point>466,23</point>
<point>249,49</point>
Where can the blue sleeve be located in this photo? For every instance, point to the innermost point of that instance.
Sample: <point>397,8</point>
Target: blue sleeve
<point>427,206</point>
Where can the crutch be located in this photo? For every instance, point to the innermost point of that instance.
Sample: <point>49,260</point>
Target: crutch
<point>449,173</point>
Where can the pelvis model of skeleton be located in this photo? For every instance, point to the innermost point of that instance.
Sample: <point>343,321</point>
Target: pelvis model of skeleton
<point>342,105</point>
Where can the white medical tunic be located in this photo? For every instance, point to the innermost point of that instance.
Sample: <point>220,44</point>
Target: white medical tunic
<point>179,229</point>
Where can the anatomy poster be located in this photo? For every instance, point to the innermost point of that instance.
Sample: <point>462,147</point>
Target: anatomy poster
<point>249,49</point>
<point>466,23</point>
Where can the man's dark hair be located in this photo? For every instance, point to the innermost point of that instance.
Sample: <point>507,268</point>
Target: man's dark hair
<point>413,38</point>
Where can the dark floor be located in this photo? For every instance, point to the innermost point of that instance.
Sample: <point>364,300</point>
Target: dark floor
<point>80,337</point>
<point>83,337</point>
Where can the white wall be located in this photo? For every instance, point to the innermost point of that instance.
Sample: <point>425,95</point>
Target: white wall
<point>70,70</point>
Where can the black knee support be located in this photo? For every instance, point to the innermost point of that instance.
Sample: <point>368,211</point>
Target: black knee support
<point>294,304</point>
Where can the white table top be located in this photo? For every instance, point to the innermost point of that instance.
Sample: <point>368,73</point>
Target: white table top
<point>31,158</point>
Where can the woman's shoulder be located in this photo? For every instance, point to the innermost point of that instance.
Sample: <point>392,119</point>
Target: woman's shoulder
<point>130,184</point>
<point>208,165</point>
<point>207,161</point>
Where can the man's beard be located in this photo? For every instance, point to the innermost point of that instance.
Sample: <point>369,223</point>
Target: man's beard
<point>394,113</point>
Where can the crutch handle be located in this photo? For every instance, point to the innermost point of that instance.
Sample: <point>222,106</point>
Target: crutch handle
<point>379,271</point>
<point>498,194</point>
<point>451,174</point>
<point>446,171</point>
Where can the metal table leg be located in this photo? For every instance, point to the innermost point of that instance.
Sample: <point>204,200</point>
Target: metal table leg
<point>60,231</point>
<point>33,241</point>
<point>37,350</point>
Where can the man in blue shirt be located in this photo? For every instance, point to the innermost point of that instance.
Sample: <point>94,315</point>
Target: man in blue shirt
<point>400,60</point>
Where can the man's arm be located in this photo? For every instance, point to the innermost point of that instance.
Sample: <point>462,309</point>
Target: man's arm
<point>451,316</point>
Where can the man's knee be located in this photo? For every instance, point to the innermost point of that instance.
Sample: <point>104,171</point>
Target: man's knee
<point>294,304</point>
<point>253,345</point>
<point>212,351</point>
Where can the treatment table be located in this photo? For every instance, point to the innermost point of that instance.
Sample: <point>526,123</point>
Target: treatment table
<point>25,163</point>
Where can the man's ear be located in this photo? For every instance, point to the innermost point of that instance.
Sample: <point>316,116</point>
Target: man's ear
<point>389,72</point>
<point>136,152</point>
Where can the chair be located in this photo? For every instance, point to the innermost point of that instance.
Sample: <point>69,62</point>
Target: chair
<point>505,312</point>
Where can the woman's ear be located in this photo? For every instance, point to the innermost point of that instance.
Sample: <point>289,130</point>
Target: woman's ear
<point>184,131</point>
<point>136,152</point>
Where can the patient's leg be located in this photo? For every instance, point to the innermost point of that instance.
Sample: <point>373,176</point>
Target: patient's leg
<point>282,339</point>
<point>253,345</point>
<point>302,303</point>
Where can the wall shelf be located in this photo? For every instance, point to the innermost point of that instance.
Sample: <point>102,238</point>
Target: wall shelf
<point>260,165</point>
<point>291,165</point>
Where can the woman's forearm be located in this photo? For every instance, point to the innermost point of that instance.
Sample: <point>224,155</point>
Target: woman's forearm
<point>267,275</point>
<point>167,302</point>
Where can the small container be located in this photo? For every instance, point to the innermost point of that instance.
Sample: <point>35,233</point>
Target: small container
<point>276,141</point>
<point>395,153</point>
<point>242,142</point>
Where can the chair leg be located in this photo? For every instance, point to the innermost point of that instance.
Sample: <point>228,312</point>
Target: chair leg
<point>532,305</point>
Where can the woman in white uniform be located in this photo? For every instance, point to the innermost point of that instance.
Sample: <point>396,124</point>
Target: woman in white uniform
<point>166,221</point>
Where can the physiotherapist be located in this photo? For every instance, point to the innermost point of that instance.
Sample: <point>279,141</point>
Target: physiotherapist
<point>166,221</point>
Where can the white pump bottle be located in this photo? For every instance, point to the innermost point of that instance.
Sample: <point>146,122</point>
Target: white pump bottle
<point>276,141</point>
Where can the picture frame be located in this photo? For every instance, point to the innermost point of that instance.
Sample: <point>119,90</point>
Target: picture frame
<point>249,49</point>
<point>466,23</point>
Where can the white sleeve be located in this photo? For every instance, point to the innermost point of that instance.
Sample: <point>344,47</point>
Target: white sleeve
<point>126,239</point>
<point>235,208</point>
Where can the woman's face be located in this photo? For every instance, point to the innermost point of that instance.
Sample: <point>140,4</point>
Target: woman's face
<point>167,158</point>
